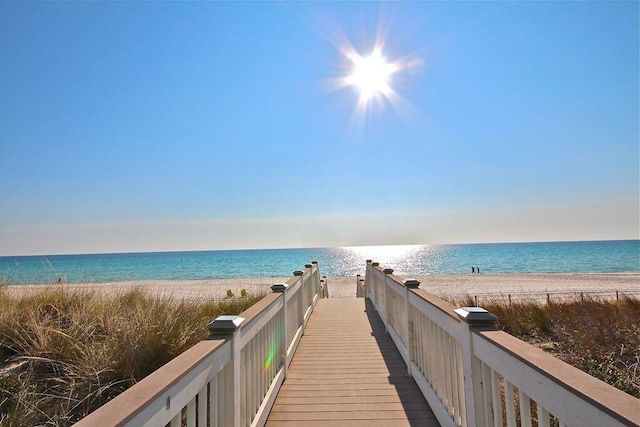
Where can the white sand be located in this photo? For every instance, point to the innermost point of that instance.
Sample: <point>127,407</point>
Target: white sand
<point>532,285</point>
<point>535,286</point>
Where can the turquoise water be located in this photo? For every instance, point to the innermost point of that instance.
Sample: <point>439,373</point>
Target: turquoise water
<point>557,257</point>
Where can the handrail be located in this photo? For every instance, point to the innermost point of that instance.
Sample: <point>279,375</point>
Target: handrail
<point>232,377</point>
<point>474,375</point>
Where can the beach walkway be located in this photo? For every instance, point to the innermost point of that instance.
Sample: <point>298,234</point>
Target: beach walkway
<point>296,358</point>
<point>348,372</point>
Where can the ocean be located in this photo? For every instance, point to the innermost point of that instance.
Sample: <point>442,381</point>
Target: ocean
<point>491,258</point>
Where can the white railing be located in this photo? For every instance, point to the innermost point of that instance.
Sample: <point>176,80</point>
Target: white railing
<point>474,375</point>
<point>230,379</point>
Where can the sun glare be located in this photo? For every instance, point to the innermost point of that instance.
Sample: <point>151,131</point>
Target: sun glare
<point>375,74</point>
<point>371,75</point>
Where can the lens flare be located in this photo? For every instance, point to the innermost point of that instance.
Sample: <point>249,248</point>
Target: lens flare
<point>270,356</point>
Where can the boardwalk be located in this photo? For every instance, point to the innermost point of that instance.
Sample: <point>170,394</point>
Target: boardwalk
<point>347,372</point>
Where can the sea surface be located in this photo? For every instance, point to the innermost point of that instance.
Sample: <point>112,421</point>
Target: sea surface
<point>556,257</point>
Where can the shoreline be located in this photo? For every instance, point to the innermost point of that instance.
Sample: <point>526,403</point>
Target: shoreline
<point>518,285</point>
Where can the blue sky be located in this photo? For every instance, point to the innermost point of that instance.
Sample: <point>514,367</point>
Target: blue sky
<point>182,126</point>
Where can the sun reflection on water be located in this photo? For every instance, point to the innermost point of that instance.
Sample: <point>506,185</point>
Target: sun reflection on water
<point>404,259</point>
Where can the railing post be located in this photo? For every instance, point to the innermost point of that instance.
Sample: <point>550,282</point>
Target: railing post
<point>374,280</point>
<point>386,272</point>
<point>473,318</point>
<point>368,279</point>
<point>281,288</point>
<point>317,283</point>
<point>411,342</point>
<point>230,325</point>
<point>323,286</point>
<point>308,292</point>
<point>301,302</point>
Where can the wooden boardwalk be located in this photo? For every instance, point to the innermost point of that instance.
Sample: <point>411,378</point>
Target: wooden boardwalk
<point>347,372</point>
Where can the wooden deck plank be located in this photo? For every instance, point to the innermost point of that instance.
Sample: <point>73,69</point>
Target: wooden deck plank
<point>347,372</point>
<point>334,398</point>
<point>344,423</point>
<point>402,414</point>
<point>348,407</point>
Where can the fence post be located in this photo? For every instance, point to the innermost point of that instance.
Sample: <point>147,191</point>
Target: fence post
<point>411,342</point>
<point>473,318</point>
<point>230,325</point>
<point>281,288</point>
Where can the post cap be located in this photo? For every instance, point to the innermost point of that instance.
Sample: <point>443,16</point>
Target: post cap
<point>411,283</point>
<point>298,273</point>
<point>279,287</point>
<point>375,264</point>
<point>476,316</point>
<point>223,325</point>
<point>314,262</point>
<point>308,266</point>
<point>387,270</point>
<point>369,261</point>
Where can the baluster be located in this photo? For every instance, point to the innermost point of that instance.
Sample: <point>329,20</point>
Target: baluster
<point>448,372</point>
<point>462,408</point>
<point>191,413</point>
<point>487,401</point>
<point>202,406</point>
<point>213,401</point>
<point>177,420</point>
<point>543,417</point>
<point>496,398</point>
<point>525,409</point>
<point>509,400</point>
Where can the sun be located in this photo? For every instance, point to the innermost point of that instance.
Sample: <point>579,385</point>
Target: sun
<point>376,74</point>
<point>371,75</point>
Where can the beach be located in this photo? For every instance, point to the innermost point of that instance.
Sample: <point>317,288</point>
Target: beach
<point>518,286</point>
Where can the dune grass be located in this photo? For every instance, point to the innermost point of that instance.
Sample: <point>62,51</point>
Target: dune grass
<point>64,353</point>
<point>596,335</point>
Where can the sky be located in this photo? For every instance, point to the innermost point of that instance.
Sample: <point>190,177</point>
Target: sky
<point>160,126</point>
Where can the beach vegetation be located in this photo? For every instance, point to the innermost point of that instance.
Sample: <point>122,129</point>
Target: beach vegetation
<point>596,335</point>
<point>64,353</point>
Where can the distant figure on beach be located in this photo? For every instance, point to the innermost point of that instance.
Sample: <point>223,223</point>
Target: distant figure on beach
<point>59,280</point>
<point>478,270</point>
<point>473,270</point>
